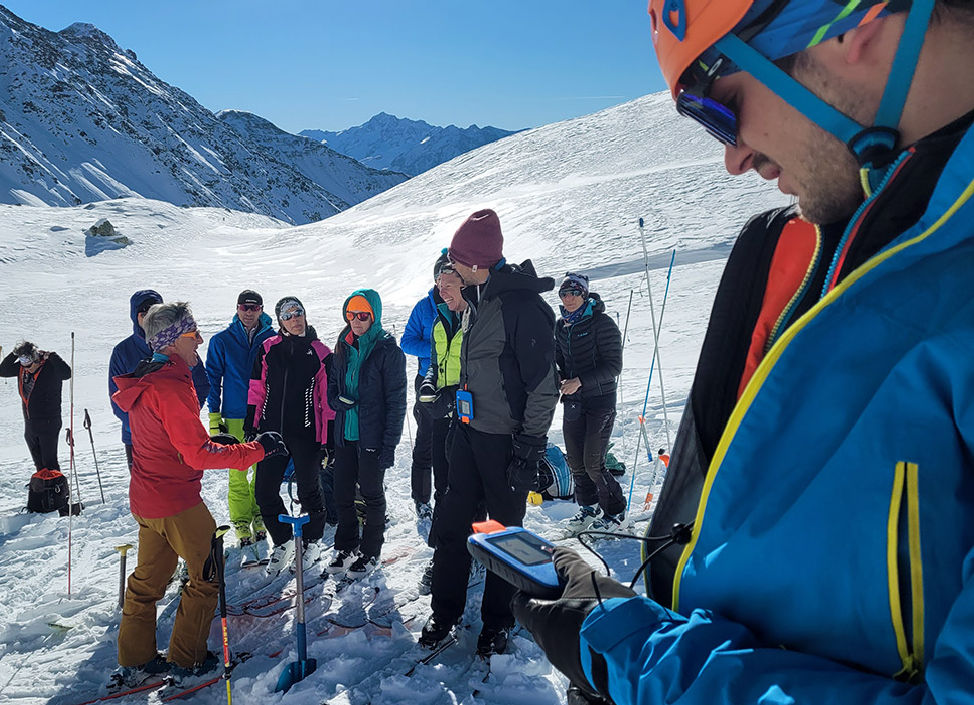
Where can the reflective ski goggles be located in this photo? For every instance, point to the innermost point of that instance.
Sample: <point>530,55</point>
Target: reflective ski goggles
<point>292,313</point>
<point>719,120</point>
<point>361,315</point>
<point>571,291</point>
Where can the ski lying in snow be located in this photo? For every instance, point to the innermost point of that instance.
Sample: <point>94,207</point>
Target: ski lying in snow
<point>448,641</point>
<point>255,563</point>
<point>172,693</point>
<point>112,695</point>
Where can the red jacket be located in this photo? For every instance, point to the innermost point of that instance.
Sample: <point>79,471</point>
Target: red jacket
<point>170,446</point>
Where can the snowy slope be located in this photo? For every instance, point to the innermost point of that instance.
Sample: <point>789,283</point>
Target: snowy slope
<point>568,195</point>
<point>83,120</point>
<point>411,146</point>
<point>336,173</point>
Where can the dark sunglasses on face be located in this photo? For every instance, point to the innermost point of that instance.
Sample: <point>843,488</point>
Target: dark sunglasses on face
<point>361,315</point>
<point>718,119</point>
<point>249,307</point>
<point>293,313</point>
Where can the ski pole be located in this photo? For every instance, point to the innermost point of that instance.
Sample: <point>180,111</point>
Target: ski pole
<point>87,425</point>
<point>625,332</point>
<point>218,559</point>
<point>123,550</point>
<point>71,463</point>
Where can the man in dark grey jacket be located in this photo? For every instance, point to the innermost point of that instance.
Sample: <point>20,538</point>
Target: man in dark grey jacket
<point>507,367</point>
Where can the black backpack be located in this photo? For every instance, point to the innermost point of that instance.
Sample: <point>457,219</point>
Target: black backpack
<point>47,492</point>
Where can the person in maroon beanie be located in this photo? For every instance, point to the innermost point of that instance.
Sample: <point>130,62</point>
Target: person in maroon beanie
<point>507,365</point>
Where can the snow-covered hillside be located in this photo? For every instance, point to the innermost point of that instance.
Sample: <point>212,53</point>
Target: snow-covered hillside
<point>83,120</point>
<point>401,144</point>
<point>569,196</point>
<point>337,173</point>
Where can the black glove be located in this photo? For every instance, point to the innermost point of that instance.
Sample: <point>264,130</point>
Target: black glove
<point>224,439</point>
<point>522,471</point>
<point>249,435</point>
<point>272,444</point>
<point>555,624</point>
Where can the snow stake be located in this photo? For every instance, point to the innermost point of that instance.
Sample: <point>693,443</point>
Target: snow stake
<point>87,425</point>
<point>304,666</point>
<point>123,550</point>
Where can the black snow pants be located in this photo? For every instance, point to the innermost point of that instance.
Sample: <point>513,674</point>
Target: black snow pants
<point>267,490</point>
<point>478,474</point>
<point>422,448</point>
<point>587,430</point>
<point>42,436</point>
<point>353,467</point>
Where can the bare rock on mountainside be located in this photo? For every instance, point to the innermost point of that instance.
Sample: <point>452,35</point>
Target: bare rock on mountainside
<point>102,236</point>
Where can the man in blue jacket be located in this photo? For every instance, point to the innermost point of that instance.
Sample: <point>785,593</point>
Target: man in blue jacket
<point>131,351</point>
<point>229,361</point>
<point>416,341</point>
<point>831,557</point>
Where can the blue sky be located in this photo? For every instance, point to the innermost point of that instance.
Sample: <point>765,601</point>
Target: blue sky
<point>331,64</point>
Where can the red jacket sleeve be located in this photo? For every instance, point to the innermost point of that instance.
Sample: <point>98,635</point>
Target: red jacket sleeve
<point>180,417</point>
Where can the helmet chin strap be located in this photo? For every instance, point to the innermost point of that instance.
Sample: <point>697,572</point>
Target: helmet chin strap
<point>872,146</point>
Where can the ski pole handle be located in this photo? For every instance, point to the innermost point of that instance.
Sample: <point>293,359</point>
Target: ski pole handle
<point>123,550</point>
<point>87,422</point>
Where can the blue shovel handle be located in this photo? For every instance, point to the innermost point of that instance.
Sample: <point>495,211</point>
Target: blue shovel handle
<point>296,522</point>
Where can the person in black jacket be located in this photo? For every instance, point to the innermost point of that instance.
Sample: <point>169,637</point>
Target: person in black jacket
<point>288,395</point>
<point>507,367</point>
<point>40,376</point>
<point>367,389</point>
<point>589,360</point>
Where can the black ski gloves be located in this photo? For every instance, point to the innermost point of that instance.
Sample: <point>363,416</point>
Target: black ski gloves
<point>272,444</point>
<point>555,624</point>
<point>224,439</point>
<point>522,471</point>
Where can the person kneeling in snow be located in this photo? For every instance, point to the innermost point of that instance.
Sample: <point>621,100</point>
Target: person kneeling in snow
<point>170,450</point>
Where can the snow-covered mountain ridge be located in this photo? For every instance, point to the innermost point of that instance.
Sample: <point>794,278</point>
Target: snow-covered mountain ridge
<point>411,146</point>
<point>82,120</point>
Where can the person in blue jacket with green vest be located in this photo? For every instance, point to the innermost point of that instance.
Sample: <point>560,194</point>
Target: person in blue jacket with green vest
<point>367,390</point>
<point>230,360</point>
<point>831,556</point>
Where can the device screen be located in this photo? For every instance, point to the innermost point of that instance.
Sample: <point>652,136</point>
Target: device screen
<point>524,548</point>
<point>464,407</point>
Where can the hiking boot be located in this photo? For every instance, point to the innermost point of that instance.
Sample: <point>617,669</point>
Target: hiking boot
<point>183,678</point>
<point>492,640</point>
<point>614,523</point>
<point>436,630</point>
<point>424,511</point>
<point>586,516</point>
<point>426,582</point>
<point>134,676</point>
<point>362,566</point>
<point>311,552</point>
<point>280,559</point>
<point>242,529</point>
<point>340,562</point>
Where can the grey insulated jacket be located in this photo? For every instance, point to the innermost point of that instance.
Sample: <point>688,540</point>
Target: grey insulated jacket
<point>508,352</point>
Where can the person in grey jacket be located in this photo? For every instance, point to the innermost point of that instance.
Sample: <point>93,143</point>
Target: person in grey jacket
<point>507,367</point>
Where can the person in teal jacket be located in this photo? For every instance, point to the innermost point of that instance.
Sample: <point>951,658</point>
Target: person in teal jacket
<point>831,557</point>
<point>230,359</point>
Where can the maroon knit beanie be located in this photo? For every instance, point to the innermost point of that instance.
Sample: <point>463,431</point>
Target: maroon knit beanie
<point>478,242</point>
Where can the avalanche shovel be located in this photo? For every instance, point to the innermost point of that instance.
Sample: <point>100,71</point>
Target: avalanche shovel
<point>304,666</point>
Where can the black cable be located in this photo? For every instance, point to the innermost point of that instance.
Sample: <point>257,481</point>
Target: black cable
<point>679,534</point>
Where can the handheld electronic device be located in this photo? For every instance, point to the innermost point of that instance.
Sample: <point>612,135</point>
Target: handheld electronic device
<point>464,405</point>
<point>517,555</point>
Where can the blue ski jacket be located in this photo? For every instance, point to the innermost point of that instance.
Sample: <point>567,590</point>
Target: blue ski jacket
<point>417,337</point>
<point>832,553</point>
<point>229,362</point>
<point>131,351</point>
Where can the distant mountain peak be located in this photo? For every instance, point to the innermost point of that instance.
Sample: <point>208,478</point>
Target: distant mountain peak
<point>386,141</point>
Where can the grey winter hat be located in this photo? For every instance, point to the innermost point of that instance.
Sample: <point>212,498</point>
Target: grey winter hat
<point>574,282</point>
<point>286,304</point>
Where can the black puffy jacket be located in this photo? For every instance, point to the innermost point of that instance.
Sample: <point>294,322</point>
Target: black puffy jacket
<point>43,403</point>
<point>381,397</point>
<point>590,350</point>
